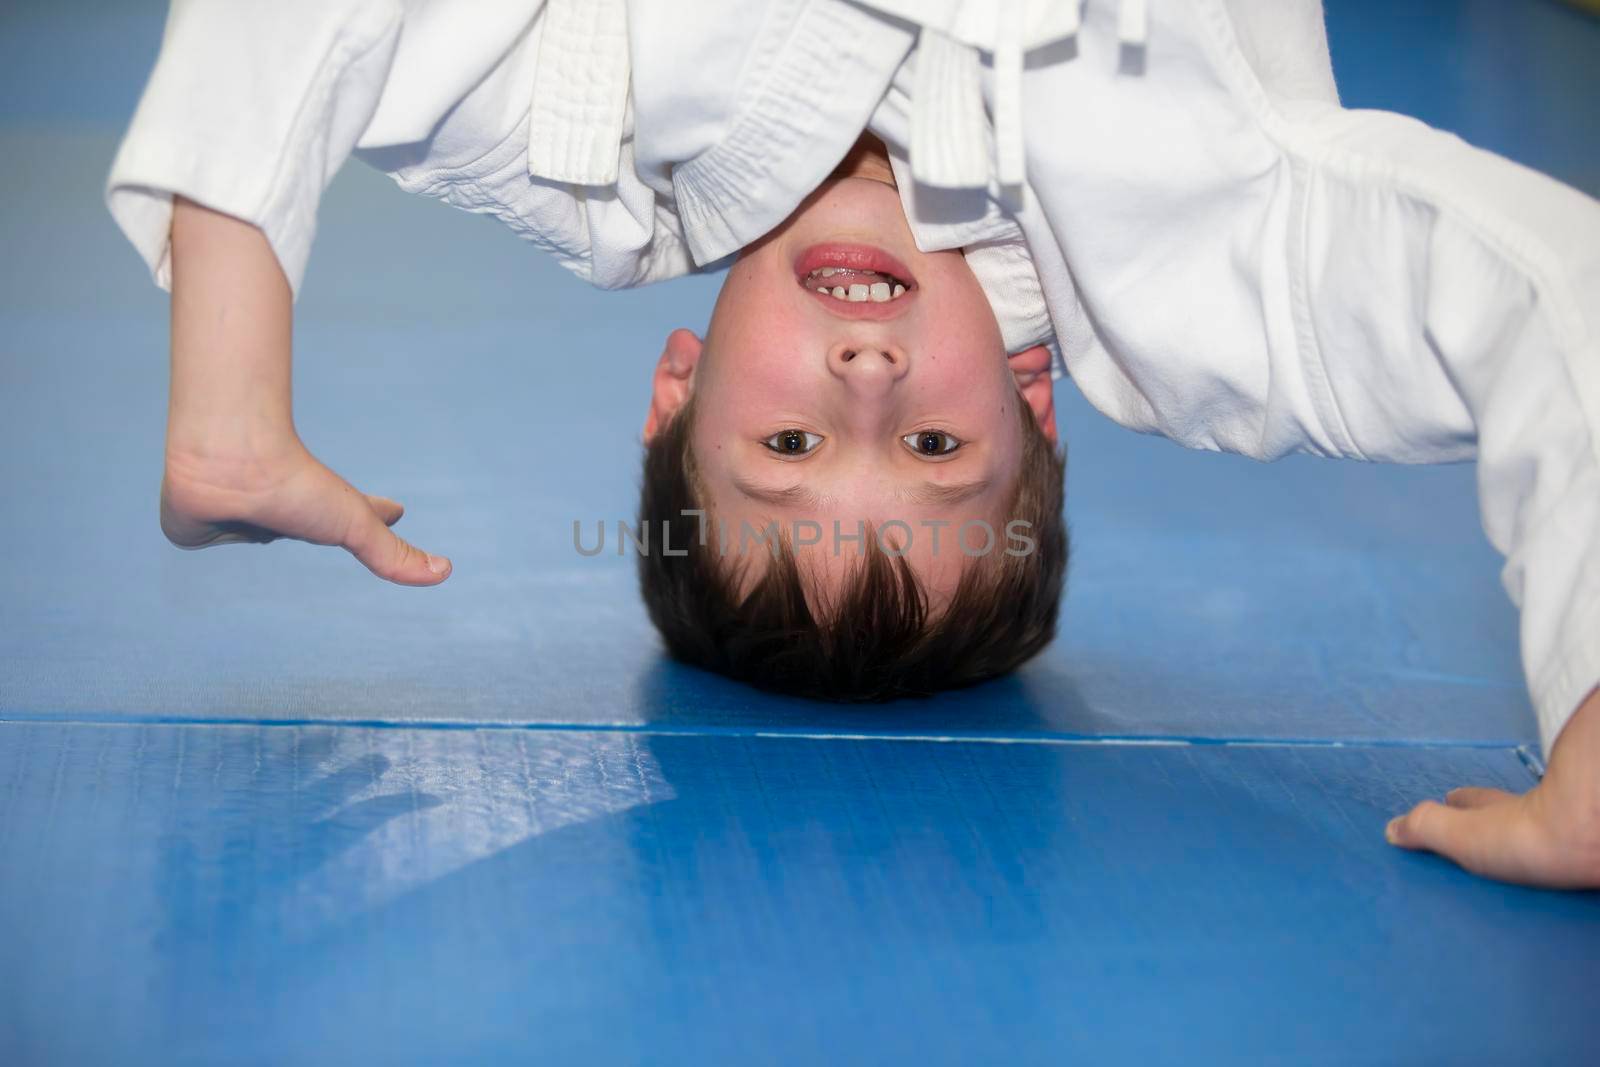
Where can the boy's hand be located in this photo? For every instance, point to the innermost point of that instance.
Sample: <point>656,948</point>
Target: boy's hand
<point>1548,836</point>
<point>284,491</point>
<point>235,468</point>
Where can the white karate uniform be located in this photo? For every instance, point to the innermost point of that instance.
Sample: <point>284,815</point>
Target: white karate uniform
<point>1167,193</point>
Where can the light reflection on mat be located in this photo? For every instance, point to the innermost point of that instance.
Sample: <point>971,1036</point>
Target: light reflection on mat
<point>347,821</point>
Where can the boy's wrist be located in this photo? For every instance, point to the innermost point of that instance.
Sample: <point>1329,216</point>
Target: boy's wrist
<point>231,341</point>
<point>220,434</point>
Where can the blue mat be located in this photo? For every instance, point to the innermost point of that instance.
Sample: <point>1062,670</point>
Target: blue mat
<point>252,894</point>
<point>257,807</point>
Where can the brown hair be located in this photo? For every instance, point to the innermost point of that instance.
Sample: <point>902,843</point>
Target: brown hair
<point>877,639</point>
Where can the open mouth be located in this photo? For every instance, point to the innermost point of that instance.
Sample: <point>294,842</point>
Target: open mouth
<point>856,286</point>
<point>854,274</point>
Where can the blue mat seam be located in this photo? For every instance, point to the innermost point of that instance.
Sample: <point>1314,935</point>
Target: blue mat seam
<point>1531,759</point>
<point>767,731</point>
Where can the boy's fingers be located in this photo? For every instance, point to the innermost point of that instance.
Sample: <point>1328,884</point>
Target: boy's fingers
<point>388,510</point>
<point>1434,827</point>
<point>390,557</point>
<point>1472,796</point>
<point>1495,840</point>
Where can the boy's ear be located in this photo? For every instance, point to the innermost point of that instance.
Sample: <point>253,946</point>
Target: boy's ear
<point>669,388</point>
<point>1031,369</point>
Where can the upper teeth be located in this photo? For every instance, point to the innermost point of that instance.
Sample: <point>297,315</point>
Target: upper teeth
<point>855,292</point>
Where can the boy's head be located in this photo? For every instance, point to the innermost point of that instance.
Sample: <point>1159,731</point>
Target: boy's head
<point>815,417</point>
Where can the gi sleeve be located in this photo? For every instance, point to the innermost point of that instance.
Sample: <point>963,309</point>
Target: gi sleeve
<point>1451,296</point>
<point>251,110</point>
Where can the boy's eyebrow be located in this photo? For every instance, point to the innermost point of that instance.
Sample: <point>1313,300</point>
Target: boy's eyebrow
<point>803,496</point>
<point>947,495</point>
<point>789,496</point>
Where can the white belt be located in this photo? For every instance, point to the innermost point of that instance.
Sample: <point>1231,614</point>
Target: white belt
<point>948,147</point>
<point>580,92</point>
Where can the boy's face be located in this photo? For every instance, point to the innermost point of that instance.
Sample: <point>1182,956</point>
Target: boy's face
<point>813,408</point>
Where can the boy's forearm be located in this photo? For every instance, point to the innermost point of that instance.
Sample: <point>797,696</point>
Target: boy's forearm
<point>231,334</point>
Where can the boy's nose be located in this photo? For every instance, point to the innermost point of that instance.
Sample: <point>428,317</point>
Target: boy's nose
<point>868,368</point>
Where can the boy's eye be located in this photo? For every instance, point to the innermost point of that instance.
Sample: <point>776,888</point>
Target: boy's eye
<point>931,443</point>
<point>793,442</point>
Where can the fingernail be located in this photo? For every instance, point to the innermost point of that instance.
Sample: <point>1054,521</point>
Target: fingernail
<point>1390,833</point>
<point>438,564</point>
